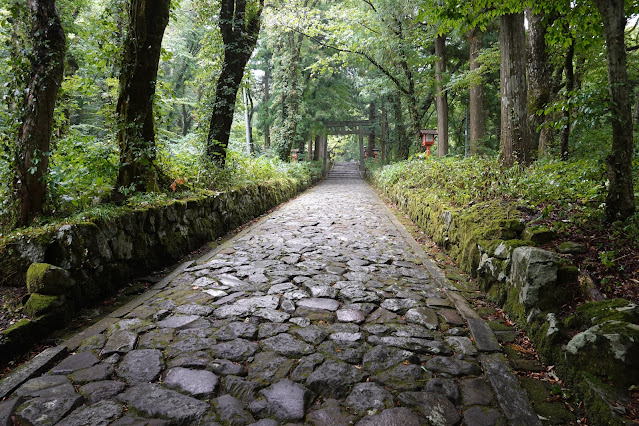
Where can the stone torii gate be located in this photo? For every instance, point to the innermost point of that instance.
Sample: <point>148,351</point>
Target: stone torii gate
<point>351,127</point>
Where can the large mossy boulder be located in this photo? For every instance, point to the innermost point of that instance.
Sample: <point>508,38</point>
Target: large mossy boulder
<point>44,278</point>
<point>534,275</point>
<point>609,350</point>
<point>41,304</point>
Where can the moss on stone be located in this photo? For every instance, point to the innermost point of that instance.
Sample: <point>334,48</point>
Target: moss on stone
<point>556,412</point>
<point>592,313</point>
<point>539,234</point>
<point>40,304</point>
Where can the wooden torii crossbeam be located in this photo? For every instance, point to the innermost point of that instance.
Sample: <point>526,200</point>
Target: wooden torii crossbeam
<point>351,127</point>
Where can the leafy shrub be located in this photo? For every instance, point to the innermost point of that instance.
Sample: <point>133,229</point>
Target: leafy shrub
<point>475,179</point>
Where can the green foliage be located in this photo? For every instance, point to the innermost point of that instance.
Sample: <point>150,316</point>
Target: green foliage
<point>82,171</point>
<point>475,179</point>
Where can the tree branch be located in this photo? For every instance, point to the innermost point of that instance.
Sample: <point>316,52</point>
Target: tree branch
<point>377,65</point>
<point>370,3</point>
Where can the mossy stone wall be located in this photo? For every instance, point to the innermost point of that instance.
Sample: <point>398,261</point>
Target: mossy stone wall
<point>101,256</point>
<point>596,349</point>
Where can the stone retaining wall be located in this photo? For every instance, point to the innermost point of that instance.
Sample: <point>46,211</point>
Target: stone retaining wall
<point>596,349</point>
<point>98,257</point>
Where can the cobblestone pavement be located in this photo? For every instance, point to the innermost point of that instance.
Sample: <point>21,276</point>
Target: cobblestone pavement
<point>323,313</point>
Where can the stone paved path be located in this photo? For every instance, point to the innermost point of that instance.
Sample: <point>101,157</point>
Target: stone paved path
<point>322,314</point>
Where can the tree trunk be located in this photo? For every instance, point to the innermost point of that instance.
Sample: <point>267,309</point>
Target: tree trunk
<point>477,115</point>
<point>247,122</point>
<point>403,143</point>
<point>267,96</point>
<point>136,135</point>
<point>442,97</point>
<point>47,69</point>
<point>371,137</point>
<point>384,135</point>
<point>570,85</point>
<point>620,202</point>
<point>239,36</point>
<point>539,73</point>
<point>318,148</point>
<point>516,137</point>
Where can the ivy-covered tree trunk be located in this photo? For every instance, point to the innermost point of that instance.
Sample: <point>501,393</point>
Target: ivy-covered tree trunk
<point>442,97</point>
<point>477,115</point>
<point>239,34</point>
<point>516,137</point>
<point>620,200</point>
<point>47,69</point>
<point>136,135</point>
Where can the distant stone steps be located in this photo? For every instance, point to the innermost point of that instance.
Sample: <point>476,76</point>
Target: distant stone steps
<point>344,171</point>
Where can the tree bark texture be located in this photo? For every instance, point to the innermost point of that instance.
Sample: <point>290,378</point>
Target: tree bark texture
<point>34,138</point>
<point>267,96</point>
<point>516,139</point>
<point>570,85</point>
<point>371,137</point>
<point>239,35</point>
<point>620,198</point>
<point>403,142</point>
<point>442,97</point>
<point>540,70</point>
<point>384,126</point>
<point>136,136</point>
<point>318,148</point>
<point>477,115</point>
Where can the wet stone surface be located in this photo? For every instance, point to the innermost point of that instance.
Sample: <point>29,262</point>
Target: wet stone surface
<point>321,314</point>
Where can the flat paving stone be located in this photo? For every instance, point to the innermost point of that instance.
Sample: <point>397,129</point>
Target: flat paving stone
<point>235,350</point>
<point>369,398</point>
<point>106,389</point>
<point>153,400</point>
<point>423,316</point>
<point>285,400</point>
<point>333,379</point>
<point>141,365</point>
<point>318,303</point>
<point>121,341</point>
<point>433,406</point>
<point>48,410</point>
<point>198,383</point>
<point>101,413</point>
<point>75,362</point>
<point>399,416</point>
<point>287,345</point>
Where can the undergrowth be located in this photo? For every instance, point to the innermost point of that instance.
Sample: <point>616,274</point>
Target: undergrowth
<point>475,179</point>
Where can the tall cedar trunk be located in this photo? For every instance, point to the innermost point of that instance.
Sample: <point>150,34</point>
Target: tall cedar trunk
<point>239,36</point>
<point>442,97</point>
<point>371,136</point>
<point>47,69</point>
<point>317,152</point>
<point>293,97</point>
<point>620,198</point>
<point>136,136</point>
<point>477,115</point>
<point>402,141</point>
<point>516,137</point>
<point>570,85</point>
<point>384,135</point>
<point>539,73</point>
<point>267,96</point>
